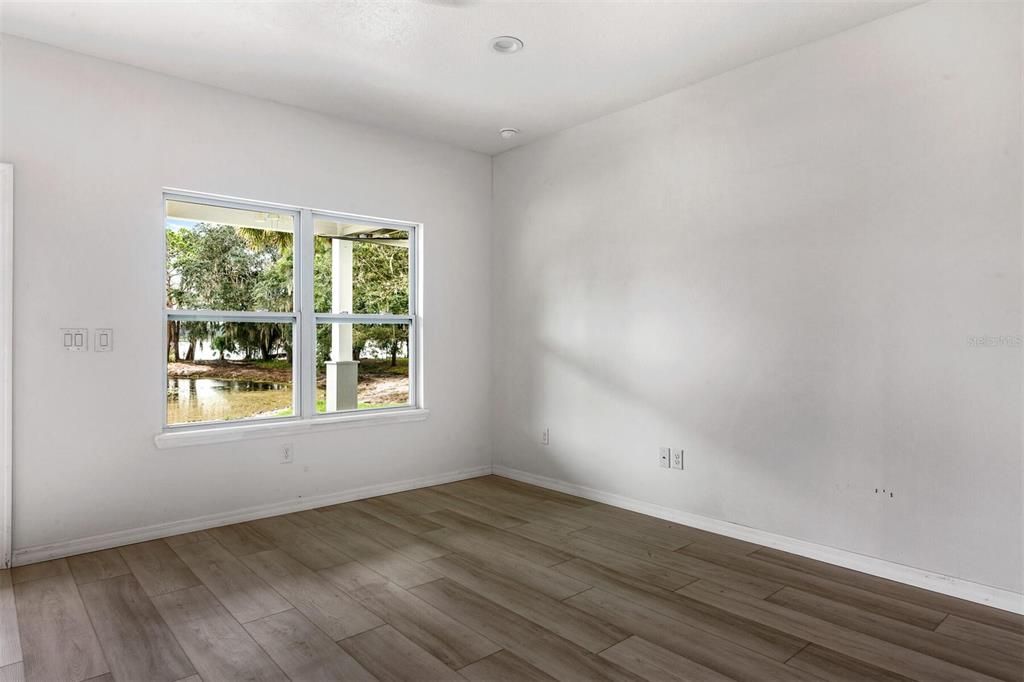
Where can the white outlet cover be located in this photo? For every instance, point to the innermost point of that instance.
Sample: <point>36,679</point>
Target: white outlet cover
<point>677,459</point>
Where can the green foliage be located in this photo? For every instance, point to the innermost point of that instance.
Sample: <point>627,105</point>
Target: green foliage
<point>322,295</point>
<point>221,267</point>
<point>380,285</point>
<point>222,343</point>
<point>380,274</point>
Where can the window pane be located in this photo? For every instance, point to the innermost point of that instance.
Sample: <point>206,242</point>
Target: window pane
<point>228,259</point>
<point>361,366</point>
<point>360,268</point>
<point>226,371</point>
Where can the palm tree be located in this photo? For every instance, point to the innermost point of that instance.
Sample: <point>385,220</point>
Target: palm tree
<point>267,240</point>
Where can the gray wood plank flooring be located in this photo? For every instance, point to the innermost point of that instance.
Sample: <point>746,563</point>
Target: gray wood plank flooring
<point>487,580</point>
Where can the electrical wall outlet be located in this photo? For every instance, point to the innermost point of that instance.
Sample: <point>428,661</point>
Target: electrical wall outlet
<point>545,438</point>
<point>677,459</point>
<point>75,339</point>
<point>288,454</point>
<point>665,457</point>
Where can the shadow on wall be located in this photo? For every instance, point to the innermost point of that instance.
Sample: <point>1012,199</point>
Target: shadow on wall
<point>781,375</point>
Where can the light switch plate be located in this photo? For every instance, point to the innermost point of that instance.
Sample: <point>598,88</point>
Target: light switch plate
<point>665,457</point>
<point>74,339</point>
<point>103,340</point>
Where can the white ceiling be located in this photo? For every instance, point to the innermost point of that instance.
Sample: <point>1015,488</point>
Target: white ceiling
<point>424,66</point>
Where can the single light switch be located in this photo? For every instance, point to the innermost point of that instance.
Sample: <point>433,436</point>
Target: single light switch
<point>103,341</point>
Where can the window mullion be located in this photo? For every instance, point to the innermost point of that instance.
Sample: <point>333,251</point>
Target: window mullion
<point>361,318</point>
<point>306,368</point>
<point>415,335</point>
<point>229,316</point>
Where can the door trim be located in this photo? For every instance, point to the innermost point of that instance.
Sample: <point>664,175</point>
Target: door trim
<point>6,361</point>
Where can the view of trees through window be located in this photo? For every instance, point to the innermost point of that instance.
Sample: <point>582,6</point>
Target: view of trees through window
<point>243,262</point>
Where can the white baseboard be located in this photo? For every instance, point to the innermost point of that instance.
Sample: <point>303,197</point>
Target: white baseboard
<point>31,555</point>
<point>936,582</point>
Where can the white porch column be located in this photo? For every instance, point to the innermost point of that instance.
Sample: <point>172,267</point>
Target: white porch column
<point>342,371</point>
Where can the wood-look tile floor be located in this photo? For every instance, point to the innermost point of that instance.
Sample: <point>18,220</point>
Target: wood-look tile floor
<point>484,579</point>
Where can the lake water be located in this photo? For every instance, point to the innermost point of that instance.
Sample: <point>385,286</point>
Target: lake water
<point>195,400</point>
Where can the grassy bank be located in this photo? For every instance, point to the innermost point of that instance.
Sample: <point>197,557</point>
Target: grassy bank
<point>215,390</point>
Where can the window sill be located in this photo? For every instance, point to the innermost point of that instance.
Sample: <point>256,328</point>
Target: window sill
<point>227,434</point>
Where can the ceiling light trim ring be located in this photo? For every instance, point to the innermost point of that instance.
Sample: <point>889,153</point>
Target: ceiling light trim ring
<point>506,44</point>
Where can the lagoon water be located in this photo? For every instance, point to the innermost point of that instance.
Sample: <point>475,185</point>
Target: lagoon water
<point>197,400</point>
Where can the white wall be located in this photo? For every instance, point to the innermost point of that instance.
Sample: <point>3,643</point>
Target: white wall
<point>801,248</point>
<point>93,144</point>
<point>807,243</point>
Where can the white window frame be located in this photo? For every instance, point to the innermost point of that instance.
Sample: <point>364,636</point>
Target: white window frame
<point>303,319</point>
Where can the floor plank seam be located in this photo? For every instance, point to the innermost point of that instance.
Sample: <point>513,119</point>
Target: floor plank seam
<point>242,624</point>
<point>95,632</point>
<point>598,653</point>
<point>939,624</point>
<point>797,652</point>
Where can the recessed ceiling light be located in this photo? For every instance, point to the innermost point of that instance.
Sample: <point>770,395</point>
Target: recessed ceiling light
<point>508,133</point>
<point>506,44</point>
